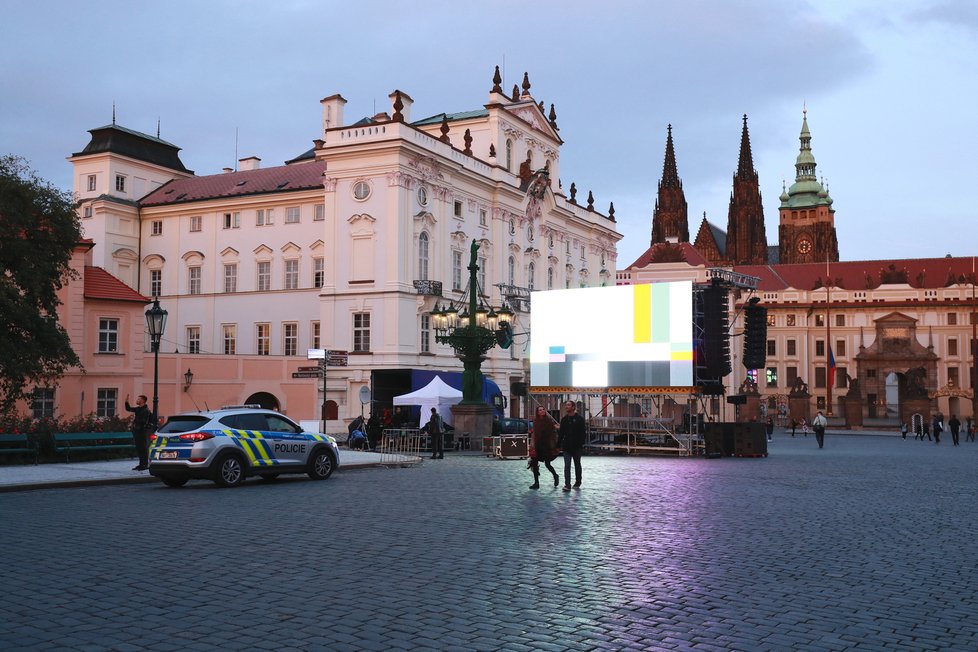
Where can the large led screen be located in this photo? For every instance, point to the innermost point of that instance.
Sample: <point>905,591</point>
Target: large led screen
<point>621,336</point>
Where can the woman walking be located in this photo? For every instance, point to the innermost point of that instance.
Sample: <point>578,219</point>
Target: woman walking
<point>544,446</point>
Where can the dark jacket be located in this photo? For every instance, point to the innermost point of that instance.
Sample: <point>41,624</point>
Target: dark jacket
<point>142,422</point>
<point>573,433</point>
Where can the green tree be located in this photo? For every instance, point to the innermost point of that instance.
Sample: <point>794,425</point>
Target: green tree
<point>38,231</point>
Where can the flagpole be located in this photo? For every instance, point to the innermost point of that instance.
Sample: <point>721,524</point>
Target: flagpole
<point>828,340</point>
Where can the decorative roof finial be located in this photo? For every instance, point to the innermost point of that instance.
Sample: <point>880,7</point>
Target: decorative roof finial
<point>492,151</point>
<point>590,200</point>
<point>444,129</point>
<point>553,116</point>
<point>398,105</point>
<point>526,84</point>
<point>611,212</point>
<point>157,127</point>
<point>496,81</point>
<point>573,193</point>
<point>113,112</point>
<point>468,143</point>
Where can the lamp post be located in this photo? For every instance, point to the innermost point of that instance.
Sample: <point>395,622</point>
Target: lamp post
<point>472,328</point>
<point>156,324</point>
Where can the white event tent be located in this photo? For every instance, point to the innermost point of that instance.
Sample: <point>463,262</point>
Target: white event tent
<point>436,394</point>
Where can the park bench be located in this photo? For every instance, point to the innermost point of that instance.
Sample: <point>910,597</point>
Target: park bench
<point>17,445</point>
<point>66,442</point>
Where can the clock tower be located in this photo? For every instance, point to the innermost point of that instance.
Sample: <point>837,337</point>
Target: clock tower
<point>806,231</point>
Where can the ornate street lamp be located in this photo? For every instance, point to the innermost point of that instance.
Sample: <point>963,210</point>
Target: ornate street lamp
<point>188,379</point>
<point>472,328</point>
<point>156,324</point>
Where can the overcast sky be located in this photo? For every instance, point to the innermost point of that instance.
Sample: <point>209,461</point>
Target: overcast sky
<point>891,88</point>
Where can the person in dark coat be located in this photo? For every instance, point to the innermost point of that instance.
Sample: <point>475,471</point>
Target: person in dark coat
<point>769,428</point>
<point>434,430</point>
<point>571,440</point>
<point>142,426</point>
<point>937,425</point>
<point>544,446</point>
<point>955,426</point>
<point>373,431</point>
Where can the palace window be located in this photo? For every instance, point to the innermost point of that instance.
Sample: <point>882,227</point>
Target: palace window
<point>292,215</point>
<point>530,276</point>
<point>42,403</point>
<point>264,276</point>
<point>791,347</point>
<point>456,270</point>
<point>230,336</point>
<point>457,208</point>
<point>264,216</point>
<point>550,278</point>
<point>841,377</point>
<point>481,278</point>
<point>820,348</point>
<point>361,331</point>
<point>195,223</point>
<point>840,320</point>
<point>263,339</point>
<point>106,402</point>
<point>292,274</point>
<point>318,272</point>
<point>952,319</point>
<point>157,227</point>
<point>423,256</point>
<point>314,340</point>
<point>91,183</point>
<point>483,219</point>
<point>790,320</point>
<point>770,319</point>
<point>819,321</point>
<point>290,339</point>
<point>320,213</point>
<point>193,280</point>
<point>953,378</point>
<point>425,334</point>
<point>155,282</point>
<point>772,347</point>
<point>232,220</point>
<point>790,376</point>
<point>108,335</point>
<point>771,375</point>
<point>120,183</point>
<point>193,339</point>
<point>361,190</point>
<point>840,348</point>
<point>231,278</point>
<point>511,270</point>
<point>952,346</point>
<point>820,377</point>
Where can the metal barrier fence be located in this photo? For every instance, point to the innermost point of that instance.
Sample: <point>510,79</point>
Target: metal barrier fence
<point>401,445</point>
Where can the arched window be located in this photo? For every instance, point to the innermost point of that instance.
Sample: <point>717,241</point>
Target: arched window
<point>509,155</point>
<point>530,273</point>
<point>512,271</point>
<point>550,278</point>
<point>423,256</point>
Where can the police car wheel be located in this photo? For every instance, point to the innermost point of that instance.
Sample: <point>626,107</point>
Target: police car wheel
<point>321,465</point>
<point>229,471</point>
<point>173,481</point>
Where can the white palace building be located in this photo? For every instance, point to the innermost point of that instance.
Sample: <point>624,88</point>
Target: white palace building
<point>346,247</point>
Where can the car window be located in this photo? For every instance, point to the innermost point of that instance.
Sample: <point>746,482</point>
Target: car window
<point>281,424</point>
<point>184,423</point>
<point>246,421</point>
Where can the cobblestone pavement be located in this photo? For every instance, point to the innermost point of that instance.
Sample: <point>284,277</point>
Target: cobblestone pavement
<point>866,544</point>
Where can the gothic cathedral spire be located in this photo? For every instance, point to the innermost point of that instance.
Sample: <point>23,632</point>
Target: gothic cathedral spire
<point>806,229</point>
<point>669,220</point>
<point>746,237</point>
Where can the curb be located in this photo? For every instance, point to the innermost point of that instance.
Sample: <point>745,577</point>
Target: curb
<point>138,479</point>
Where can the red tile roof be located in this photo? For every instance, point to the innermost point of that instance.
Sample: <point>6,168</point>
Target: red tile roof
<point>99,284</point>
<point>925,273</point>
<point>693,257</point>
<point>284,178</point>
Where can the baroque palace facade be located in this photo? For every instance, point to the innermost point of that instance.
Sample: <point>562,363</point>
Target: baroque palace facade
<point>346,247</point>
<point>900,332</point>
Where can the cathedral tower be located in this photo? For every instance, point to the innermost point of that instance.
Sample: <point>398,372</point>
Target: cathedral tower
<point>806,229</point>
<point>746,238</point>
<point>669,220</point>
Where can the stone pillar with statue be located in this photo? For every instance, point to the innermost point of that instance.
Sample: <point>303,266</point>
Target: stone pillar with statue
<point>799,402</point>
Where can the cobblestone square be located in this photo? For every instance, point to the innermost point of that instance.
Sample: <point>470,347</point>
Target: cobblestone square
<point>866,544</point>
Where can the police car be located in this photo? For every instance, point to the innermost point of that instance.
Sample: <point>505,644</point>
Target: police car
<point>232,443</point>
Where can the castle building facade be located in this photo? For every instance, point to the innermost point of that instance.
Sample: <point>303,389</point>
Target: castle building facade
<point>346,247</point>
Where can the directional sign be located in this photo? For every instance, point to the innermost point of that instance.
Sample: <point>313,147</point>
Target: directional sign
<point>307,374</point>
<point>315,354</point>
<point>316,368</point>
<point>336,358</point>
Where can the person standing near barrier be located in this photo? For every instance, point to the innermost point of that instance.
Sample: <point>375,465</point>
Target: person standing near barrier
<point>142,425</point>
<point>544,446</point>
<point>433,428</point>
<point>373,431</point>
<point>818,425</point>
<point>571,441</point>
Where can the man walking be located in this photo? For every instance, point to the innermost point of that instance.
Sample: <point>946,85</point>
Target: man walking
<point>955,425</point>
<point>571,440</point>
<point>142,425</point>
<point>818,424</point>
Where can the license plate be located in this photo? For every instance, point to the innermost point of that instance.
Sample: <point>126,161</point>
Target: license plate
<point>168,455</point>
